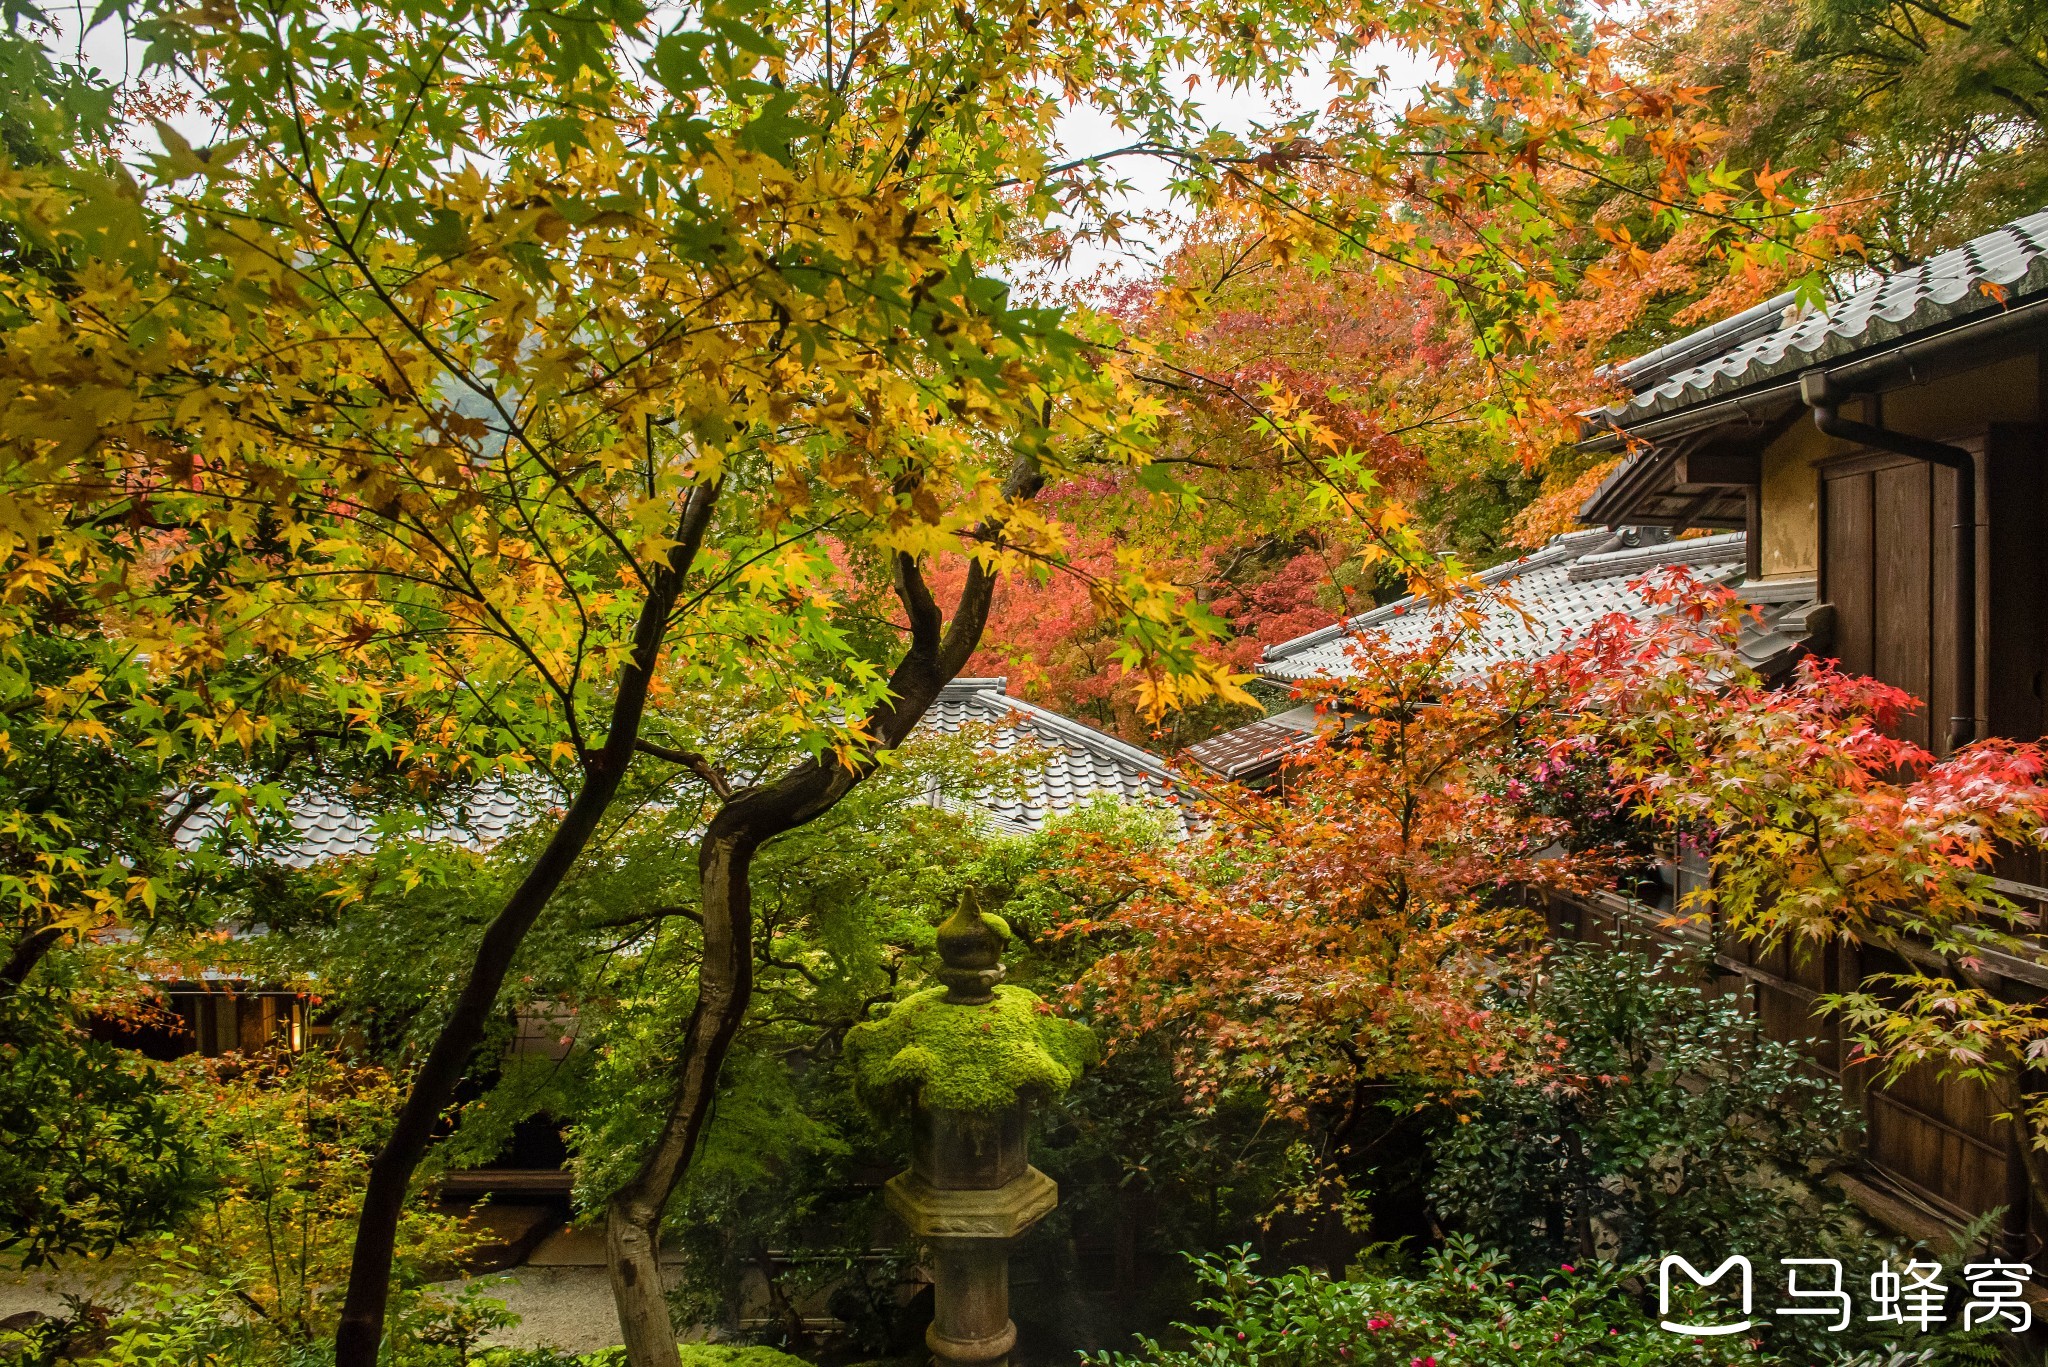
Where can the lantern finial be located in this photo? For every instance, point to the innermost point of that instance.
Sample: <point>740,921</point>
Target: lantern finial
<point>971,948</point>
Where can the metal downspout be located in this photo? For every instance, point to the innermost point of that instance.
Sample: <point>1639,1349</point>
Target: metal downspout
<point>1819,391</point>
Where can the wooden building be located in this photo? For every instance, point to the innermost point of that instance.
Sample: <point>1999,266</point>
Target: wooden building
<point>1885,457</point>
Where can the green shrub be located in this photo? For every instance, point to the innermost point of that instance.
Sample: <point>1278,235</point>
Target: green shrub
<point>1469,1309</point>
<point>92,1155</point>
<point>1664,1123</point>
<point>1465,1310</point>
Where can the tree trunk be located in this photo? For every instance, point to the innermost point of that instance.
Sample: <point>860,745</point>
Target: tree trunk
<point>361,1331</point>
<point>725,982</point>
<point>748,819</point>
<point>2028,1176</point>
<point>433,1086</point>
<point>725,986</point>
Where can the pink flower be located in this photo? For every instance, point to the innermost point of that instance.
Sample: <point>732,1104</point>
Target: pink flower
<point>1566,1267</point>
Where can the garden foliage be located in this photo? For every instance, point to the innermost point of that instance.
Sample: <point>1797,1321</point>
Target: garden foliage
<point>95,1155</point>
<point>1653,1117</point>
<point>1465,1308</point>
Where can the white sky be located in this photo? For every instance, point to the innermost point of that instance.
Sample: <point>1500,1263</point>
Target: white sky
<point>1089,131</point>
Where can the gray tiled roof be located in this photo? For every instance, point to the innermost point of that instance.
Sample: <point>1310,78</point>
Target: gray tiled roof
<point>329,828</point>
<point>1560,590</point>
<point>1080,765</point>
<point>1948,288</point>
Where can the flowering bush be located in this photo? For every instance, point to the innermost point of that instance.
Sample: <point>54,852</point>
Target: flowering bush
<point>1465,1310</point>
<point>1469,1309</point>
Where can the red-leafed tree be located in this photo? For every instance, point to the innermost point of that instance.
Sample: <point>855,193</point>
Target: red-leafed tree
<point>1346,929</point>
<point>1821,825</point>
<point>1058,639</point>
<point>1340,319</point>
<point>1342,930</point>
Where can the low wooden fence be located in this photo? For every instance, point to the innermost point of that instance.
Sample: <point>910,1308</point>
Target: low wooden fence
<point>1936,1154</point>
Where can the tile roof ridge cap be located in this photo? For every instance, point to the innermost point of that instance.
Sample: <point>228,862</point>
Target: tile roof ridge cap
<point>1715,540</point>
<point>1563,546</point>
<point>2031,228</point>
<point>1691,551</point>
<point>988,683</point>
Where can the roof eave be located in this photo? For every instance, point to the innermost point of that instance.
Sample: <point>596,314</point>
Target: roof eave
<point>1915,359</point>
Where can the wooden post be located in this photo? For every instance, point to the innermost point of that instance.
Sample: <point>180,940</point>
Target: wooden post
<point>1753,532</point>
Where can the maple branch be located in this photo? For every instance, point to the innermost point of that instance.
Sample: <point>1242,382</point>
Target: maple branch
<point>462,374</point>
<point>738,567</point>
<point>361,1327</point>
<point>413,105</point>
<point>642,917</point>
<point>714,777</point>
<point>27,954</point>
<point>186,810</point>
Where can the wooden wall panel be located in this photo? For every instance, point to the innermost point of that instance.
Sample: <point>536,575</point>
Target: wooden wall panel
<point>1901,591</point>
<point>2016,494</point>
<point>1786,1018</point>
<point>1943,1165</point>
<point>1849,569</point>
<point>1966,1107</point>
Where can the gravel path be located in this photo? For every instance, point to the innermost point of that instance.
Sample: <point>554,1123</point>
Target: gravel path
<point>558,1307</point>
<point>561,1294</point>
<point>45,1290</point>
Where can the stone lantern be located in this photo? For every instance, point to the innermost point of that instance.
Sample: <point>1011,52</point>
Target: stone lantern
<point>968,1060</point>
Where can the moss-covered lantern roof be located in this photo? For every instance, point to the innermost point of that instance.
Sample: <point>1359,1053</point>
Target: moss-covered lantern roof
<point>973,1045</point>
